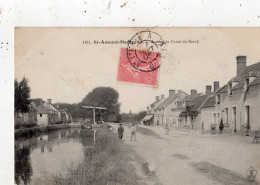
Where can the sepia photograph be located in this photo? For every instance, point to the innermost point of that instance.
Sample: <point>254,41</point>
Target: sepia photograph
<point>136,106</point>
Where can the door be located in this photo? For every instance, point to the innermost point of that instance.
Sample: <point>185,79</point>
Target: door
<point>235,119</point>
<point>248,117</point>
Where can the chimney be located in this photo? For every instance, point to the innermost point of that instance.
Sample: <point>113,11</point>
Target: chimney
<point>241,64</point>
<point>171,92</point>
<point>157,98</point>
<point>147,109</point>
<point>179,91</point>
<point>208,90</point>
<point>216,86</point>
<point>162,96</point>
<point>193,93</point>
<point>58,106</point>
<point>49,101</point>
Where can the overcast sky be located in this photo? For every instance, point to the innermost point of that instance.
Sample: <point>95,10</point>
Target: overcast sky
<point>60,67</point>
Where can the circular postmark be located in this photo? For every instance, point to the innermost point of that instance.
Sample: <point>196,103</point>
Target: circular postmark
<point>144,51</point>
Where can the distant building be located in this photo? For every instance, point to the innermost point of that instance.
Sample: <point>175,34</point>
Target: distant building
<point>53,112</point>
<point>165,108</point>
<point>191,116</point>
<point>64,116</point>
<point>207,117</point>
<point>47,113</point>
<point>181,104</point>
<point>42,115</point>
<point>29,117</point>
<point>152,109</point>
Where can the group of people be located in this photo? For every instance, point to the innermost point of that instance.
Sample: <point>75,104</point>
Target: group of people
<point>132,130</point>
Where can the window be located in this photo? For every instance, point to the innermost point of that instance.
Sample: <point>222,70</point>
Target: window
<point>40,115</point>
<point>215,119</point>
<point>230,88</point>
<point>226,115</point>
<point>247,84</point>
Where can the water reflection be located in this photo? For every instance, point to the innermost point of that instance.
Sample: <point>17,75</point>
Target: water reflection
<point>23,167</point>
<point>48,154</point>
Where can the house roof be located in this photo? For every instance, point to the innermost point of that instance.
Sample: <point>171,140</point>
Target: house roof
<point>210,102</point>
<point>42,110</point>
<point>252,69</point>
<point>168,101</point>
<point>154,102</point>
<point>147,117</point>
<point>33,105</point>
<point>249,71</point>
<point>197,102</point>
<point>187,98</point>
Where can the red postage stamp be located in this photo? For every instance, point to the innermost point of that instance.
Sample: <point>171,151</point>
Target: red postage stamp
<point>128,73</point>
<point>140,61</point>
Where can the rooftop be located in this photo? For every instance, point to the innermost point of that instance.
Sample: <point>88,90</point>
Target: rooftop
<point>249,71</point>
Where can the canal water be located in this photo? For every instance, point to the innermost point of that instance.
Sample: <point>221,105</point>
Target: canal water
<point>49,155</point>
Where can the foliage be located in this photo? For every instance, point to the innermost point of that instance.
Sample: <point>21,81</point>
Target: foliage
<point>103,97</point>
<point>130,117</point>
<point>37,101</point>
<point>108,162</point>
<point>140,115</point>
<point>21,95</point>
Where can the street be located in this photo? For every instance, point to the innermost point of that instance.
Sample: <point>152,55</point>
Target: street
<point>187,157</point>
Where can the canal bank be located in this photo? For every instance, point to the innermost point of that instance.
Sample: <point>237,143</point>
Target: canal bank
<point>69,156</point>
<point>37,130</point>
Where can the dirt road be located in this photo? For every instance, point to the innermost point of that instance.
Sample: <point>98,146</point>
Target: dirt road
<point>187,157</point>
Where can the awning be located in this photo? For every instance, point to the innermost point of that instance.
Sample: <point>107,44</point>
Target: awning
<point>147,117</point>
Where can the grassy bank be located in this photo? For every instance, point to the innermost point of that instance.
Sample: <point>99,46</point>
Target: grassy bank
<point>106,163</point>
<point>35,131</point>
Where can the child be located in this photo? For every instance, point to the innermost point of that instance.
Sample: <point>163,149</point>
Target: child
<point>167,129</point>
<point>133,130</point>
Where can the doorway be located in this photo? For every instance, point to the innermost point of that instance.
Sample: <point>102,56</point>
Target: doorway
<point>247,117</point>
<point>235,119</point>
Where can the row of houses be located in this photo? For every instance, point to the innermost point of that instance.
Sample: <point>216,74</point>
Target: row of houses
<point>43,113</point>
<point>237,103</point>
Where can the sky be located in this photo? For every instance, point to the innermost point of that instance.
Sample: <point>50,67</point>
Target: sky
<point>60,67</point>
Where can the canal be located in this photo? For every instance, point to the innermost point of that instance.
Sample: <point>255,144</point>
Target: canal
<point>49,155</point>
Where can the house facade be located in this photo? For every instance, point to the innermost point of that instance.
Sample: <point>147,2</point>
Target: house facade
<point>238,101</point>
<point>64,116</point>
<point>207,115</point>
<point>180,106</point>
<point>165,108</point>
<point>47,113</point>
<point>42,115</point>
<point>191,116</point>
<point>152,110</point>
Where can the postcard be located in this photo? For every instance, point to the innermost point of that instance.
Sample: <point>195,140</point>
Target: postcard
<point>136,105</point>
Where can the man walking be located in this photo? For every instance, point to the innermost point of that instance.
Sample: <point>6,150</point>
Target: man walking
<point>120,131</point>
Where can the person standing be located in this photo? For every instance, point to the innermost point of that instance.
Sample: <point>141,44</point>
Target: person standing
<point>221,126</point>
<point>133,131</point>
<point>167,129</point>
<point>120,131</point>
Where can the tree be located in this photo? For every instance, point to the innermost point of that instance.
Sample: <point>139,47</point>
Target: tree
<point>140,115</point>
<point>21,95</point>
<point>103,97</point>
<point>37,101</point>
